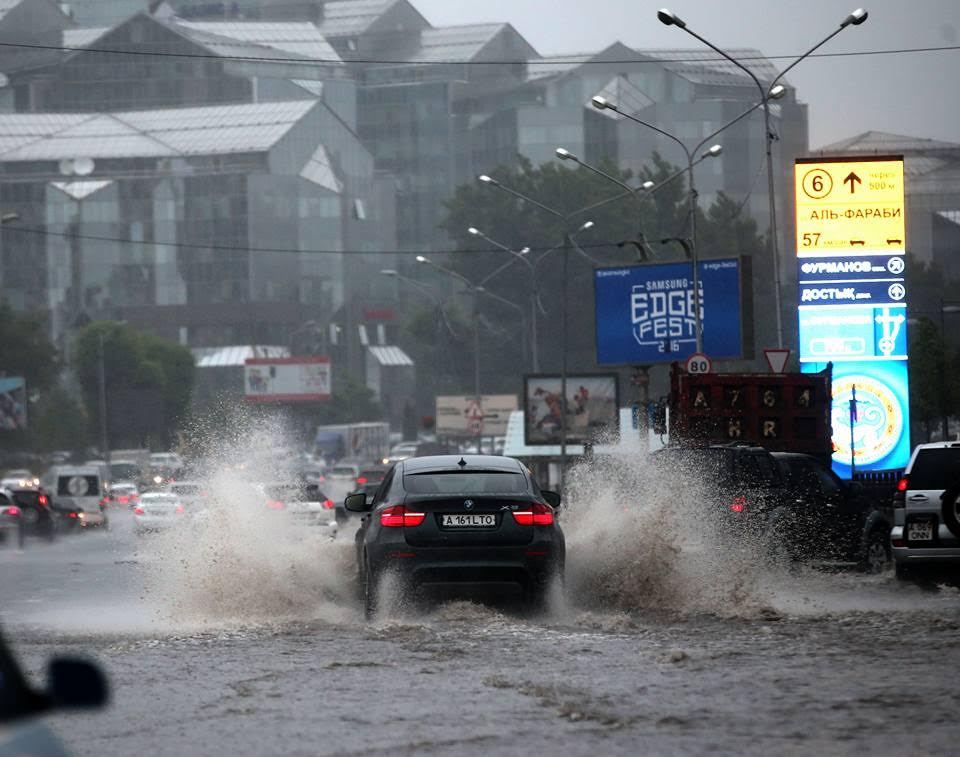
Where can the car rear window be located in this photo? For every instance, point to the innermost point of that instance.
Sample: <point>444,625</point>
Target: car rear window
<point>373,475</point>
<point>935,468</point>
<point>343,471</point>
<point>187,489</point>
<point>81,486</point>
<point>474,482</point>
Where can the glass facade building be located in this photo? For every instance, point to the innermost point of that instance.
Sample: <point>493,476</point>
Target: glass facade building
<point>214,226</point>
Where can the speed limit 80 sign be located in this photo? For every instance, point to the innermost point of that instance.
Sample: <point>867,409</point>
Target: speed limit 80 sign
<point>698,363</point>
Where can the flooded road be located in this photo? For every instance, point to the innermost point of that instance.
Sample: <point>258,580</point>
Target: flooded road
<point>217,659</point>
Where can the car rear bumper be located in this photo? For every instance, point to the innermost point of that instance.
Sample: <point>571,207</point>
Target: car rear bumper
<point>143,523</point>
<point>944,548</point>
<point>91,519</point>
<point>527,564</point>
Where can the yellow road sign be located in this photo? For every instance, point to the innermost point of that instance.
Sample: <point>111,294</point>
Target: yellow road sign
<point>849,205</point>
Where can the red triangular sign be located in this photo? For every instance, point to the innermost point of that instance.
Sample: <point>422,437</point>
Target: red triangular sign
<point>777,359</point>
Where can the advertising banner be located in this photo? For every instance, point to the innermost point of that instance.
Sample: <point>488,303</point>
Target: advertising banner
<point>645,313</point>
<point>592,409</point>
<point>13,403</point>
<point>292,379</point>
<point>881,431</point>
<point>463,416</point>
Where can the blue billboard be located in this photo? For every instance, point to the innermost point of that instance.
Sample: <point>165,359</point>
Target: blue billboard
<point>881,426</point>
<point>645,313</point>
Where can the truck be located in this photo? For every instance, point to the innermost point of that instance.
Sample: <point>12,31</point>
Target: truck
<point>782,412</point>
<point>368,442</point>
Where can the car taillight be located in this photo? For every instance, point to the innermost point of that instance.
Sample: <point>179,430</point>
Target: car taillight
<point>71,514</point>
<point>42,499</point>
<point>275,504</point>
<point>361,480</point>
<point>12,510</point>
<point>900,492</point>
<point>538,515</point>
<point>739,504</point>
<point>179,509</point>
<point>138,510</point>
<point>398,515</point>
<point>328,504</point>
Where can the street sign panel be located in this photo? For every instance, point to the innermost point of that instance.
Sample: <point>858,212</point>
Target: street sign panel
<point>849,205</point>
<point>698,363</point>
<point>777,359</point>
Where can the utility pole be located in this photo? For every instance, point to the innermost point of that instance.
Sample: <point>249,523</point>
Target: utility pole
<point>104,440</point>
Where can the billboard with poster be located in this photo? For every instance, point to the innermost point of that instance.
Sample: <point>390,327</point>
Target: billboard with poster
<point>592,408</point>
<point>461,415</point>
<point>13,403</point>
<point>290,379</point>
<point>645,313</point>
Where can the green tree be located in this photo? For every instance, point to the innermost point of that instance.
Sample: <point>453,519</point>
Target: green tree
<point>621,228</point>
<point>148,382</point>
<point>58,422</point>
<point>26,350</point>
<point>934,387</point>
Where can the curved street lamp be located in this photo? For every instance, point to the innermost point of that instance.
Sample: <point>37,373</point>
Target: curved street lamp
<point>855,18</point>
<point>535,294</point>
<point>602,103</point>
<point>564,220</point>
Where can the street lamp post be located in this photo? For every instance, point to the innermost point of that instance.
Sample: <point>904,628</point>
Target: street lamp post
<point>855,18</point>
<point>602,103</point>
<point>476,330</point>
<point>102,393</point>
<point>564,220</point>
<point>535,289</point>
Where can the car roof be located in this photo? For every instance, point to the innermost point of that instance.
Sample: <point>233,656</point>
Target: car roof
<point>793,456</point>
<point>452,463</point>
<point>938,445</point>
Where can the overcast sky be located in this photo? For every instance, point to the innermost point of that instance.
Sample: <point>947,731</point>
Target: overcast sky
<point>916,94</point>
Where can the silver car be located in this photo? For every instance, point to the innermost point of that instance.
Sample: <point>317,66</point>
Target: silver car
<point>158,511</point>
<point>919,538</point>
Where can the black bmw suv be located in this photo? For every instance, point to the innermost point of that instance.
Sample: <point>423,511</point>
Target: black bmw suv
<point>458,521</point>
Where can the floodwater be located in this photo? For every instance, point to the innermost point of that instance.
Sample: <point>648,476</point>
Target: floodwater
<point>241,633</point>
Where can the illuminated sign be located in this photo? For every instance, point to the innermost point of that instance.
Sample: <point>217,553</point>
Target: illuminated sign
<point>861,279</point>
<point>645,313</point>
<point>849,204</point>
<point>881,431</point>
<point>853,303</point>
<point>852,333</point>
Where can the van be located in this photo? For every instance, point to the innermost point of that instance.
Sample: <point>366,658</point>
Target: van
<point>81,487</point>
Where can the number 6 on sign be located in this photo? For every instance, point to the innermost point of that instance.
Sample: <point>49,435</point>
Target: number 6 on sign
<point>699,363</point>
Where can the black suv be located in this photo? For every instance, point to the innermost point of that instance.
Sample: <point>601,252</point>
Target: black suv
<point>826,518</point>
<point>743,482</point>
<point>457,522</point>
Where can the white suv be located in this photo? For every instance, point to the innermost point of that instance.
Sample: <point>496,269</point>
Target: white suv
<point>920,538</point>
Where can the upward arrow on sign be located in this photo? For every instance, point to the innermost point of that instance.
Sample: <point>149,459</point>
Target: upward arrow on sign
<point>852,179</point>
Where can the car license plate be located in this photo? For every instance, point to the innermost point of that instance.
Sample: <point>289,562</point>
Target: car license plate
<point>922,531</point>
<point>468,520</point>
